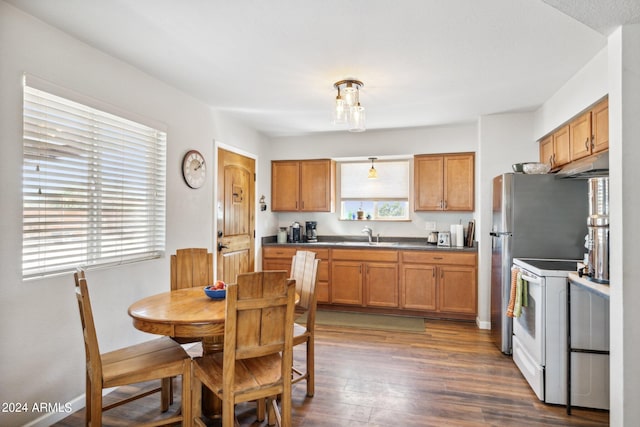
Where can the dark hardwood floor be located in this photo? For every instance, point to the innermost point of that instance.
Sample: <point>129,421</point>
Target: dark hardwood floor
<point>452,375</point>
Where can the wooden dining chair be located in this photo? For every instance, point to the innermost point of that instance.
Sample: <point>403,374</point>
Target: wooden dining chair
<point>191,267</point>
<point>258,348</point>
<point>158,359</point>
<point>304,270</point>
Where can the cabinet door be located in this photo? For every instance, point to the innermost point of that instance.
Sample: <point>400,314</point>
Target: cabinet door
<point>316,185</point>
<point>546,151</point>
<point>285,186</point>
<point>580,136</point>
<point>600,126</point>
<point>381,281</point>
<point>418,287</point>
<point>428,183</point>
<point>459,182</point>
<point>346,282</point>
<point>457,289</point>
<point>561,147</point>
<point>323,281</point>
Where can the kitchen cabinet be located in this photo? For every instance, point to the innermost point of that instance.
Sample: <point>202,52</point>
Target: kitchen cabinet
<point>303,185</point>
<point>444,182</point>
<point>279,258</point>
<point>590,131</point>
<point>555,149</point>
<point>583,135</point>
<point>438,281</point>
<point>366,278</point>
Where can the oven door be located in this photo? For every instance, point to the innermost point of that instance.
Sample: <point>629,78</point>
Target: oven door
<point>529,335</point>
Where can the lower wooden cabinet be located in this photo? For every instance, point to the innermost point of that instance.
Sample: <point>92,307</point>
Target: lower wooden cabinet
<point>431,283</point>
<point>366,278</point>
<point>441,282</point>
<point>280,257</point>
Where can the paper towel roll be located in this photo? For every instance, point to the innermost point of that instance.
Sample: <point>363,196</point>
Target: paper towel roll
<point>459,235</point>
<point>454,237</point>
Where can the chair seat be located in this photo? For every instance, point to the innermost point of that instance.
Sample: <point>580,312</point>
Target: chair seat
<point>251,374</point>
<point>142,362</point>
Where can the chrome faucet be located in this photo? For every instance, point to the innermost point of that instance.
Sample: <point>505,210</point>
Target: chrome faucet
<point>369,232</point>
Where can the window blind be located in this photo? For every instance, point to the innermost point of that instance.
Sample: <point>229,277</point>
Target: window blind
<point>94,187</point>
<point>392,181</point>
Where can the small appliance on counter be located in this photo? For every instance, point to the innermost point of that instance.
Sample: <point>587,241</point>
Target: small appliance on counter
<point>294,233</point>
<point>311,232</point>
<point>432,239</point>
<point>444,238</point>
<point>598,230</point>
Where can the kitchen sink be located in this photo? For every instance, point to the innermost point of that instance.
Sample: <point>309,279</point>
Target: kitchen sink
<point>367,243</point>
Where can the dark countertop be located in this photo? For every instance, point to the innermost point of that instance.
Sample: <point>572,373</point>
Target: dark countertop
<point>351,242</point>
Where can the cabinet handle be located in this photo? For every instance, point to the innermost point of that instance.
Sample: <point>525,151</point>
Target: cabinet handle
<point>445,204</point>
<point>441,274</point>
<point>434,272</point>
<point>586,143</point>
<point>593,142</point>
<point>551,160</point>
<point>437,257</point>
<point>302,204</point>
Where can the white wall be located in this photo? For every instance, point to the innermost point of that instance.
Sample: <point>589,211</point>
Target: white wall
<point>504,139</point>
<point>624,203</point>
<point>42,354</point>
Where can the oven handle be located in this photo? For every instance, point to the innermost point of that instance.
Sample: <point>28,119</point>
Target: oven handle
<point>532,279</point>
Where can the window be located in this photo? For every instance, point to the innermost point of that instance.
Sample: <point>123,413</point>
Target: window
<point>385,198</point>
<point>93,187</point>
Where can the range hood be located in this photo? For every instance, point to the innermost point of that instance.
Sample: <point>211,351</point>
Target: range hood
<point>589,167</point>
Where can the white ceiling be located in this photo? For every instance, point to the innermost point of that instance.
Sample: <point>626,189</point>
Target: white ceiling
<point>272,64</point>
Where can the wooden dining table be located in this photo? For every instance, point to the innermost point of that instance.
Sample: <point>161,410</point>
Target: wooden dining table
<point>185,313</point>
<point>182,313</point>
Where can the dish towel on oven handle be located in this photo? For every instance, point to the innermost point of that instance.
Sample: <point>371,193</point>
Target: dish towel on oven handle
<point>519,294</point>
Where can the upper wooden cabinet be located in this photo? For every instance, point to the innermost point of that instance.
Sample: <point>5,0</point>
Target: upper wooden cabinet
<point>303,185</point>
<point>585,134</point>
<point>444,182</point>
<point>555,149</point>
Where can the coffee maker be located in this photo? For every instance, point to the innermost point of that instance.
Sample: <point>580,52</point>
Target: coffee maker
<point>294,233</point>
<point>311,232</point>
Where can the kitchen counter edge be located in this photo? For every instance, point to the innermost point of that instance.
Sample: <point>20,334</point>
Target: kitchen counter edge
<point>403,244</point>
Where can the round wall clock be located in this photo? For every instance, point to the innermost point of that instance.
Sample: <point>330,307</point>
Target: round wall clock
<point>194,169</point>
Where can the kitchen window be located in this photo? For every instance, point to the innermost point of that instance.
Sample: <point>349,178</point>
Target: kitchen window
<point>94,185</point>
<point>385,198</point>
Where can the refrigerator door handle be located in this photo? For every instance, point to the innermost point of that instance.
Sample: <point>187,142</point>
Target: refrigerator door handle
<point>500,233</point>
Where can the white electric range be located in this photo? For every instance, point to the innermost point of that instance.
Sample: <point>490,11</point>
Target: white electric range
<point>540,336</point>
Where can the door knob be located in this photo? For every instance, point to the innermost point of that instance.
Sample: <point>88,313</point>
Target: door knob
<point>221,247</point>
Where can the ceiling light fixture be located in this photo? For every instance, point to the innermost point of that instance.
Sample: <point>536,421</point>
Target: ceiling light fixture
<point>373,173</point>
<point>347,108</point>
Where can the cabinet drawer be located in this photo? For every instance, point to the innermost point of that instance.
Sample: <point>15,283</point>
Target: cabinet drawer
<point>278,252</point>
<point>439,257</point>
<point>364,255</point>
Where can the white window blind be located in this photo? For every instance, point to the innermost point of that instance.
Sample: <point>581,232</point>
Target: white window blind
<point>94,187</point>
<point>392,181</point>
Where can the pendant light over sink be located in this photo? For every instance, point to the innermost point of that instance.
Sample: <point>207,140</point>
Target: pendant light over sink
<point>347,107</point>
<point>373,173</point>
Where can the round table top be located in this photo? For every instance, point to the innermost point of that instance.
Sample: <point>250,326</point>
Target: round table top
<point>184,313</point>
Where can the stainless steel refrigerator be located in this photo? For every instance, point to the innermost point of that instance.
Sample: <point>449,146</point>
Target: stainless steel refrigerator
<point>534,216</point>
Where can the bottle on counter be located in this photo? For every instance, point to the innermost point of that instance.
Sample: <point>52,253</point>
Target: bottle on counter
<point>282,235</point>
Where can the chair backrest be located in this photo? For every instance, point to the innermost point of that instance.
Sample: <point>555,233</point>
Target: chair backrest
<point>304,270</point>
<point>191,267</point>
<point>259,321</point>
<point>92,350</point>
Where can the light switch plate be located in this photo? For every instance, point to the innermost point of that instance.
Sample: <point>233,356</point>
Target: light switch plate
<point>430,225</point>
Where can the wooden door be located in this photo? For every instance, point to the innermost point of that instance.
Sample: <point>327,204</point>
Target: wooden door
<point>381,284</point>
<point>459,182</point>
<point>316,185</point>
<point>235,215</point>
<point>600,126</point>
<point>546,151</point>
<point>580,136</point>
<point>418,287</point>
<point>561,147</point>
<point>285,186</point>
<point>346,282</point>
<point>457,289</point>
<point>428,183</point>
